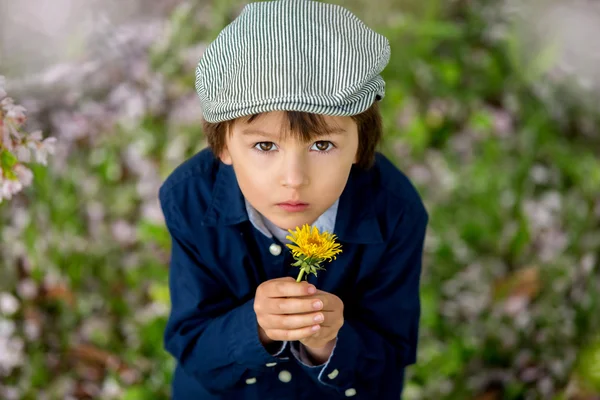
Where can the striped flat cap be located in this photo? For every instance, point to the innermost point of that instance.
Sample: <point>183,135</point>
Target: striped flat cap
<point>296,55</point>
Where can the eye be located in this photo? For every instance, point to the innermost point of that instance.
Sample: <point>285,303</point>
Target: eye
<point>265,146</point>
<point>323,146</point>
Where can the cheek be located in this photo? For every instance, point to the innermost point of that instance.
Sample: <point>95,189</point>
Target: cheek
<point>333,180</point>
<point>253,180</point>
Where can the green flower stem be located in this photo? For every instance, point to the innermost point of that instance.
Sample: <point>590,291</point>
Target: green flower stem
<point>299,278</point>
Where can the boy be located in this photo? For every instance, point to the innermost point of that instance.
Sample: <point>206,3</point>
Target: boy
<point>289,93</point>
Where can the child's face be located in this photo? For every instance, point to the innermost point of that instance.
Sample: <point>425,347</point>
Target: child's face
<point>274,169</point>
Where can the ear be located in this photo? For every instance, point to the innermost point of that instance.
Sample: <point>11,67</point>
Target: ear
<point>225,156</point>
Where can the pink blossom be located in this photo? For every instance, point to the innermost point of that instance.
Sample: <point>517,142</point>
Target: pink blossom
<point>23,154</point>
<point>24,174</point>
<point>17,114</point>
<point>9,187</point>
<point>20,144</point>
<point>47,146</point>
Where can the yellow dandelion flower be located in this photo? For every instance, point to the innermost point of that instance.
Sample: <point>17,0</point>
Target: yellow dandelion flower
<point>311,247</point>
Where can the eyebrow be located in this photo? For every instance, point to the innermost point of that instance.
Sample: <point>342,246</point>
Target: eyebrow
<point>258,132</point>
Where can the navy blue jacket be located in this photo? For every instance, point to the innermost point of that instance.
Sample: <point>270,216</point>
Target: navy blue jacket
<point>218,260</point>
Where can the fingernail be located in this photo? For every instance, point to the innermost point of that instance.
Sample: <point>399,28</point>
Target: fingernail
<point>312,290</point>
<point>317,305</point>
<point>319,318</point>
<point>316,327</point>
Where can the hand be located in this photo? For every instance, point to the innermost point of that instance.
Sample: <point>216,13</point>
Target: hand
<point>285,310</point>
<point>320,344</point>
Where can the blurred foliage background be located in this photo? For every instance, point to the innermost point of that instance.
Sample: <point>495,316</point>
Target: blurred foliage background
<point>495,126</point>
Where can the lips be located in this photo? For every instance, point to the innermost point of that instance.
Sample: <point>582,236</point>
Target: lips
<point>293,203</point>
<point>293,206</point>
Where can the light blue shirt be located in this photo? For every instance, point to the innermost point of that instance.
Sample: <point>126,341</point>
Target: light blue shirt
<point>325,223</point>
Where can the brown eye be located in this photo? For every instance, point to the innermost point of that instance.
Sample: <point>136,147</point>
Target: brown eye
<point>323,145</point>
<point>265,146</point>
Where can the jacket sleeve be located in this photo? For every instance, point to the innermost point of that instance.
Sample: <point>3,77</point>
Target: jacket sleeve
<point>379,339</point>
<point>211,334</point>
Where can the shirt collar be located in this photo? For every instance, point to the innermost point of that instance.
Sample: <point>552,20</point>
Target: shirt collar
<point>325,222</point>
<point>355,221</point>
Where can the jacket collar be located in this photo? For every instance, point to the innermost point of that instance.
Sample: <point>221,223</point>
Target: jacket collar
<point>356,220</point>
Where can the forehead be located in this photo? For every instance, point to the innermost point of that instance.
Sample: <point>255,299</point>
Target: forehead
<point>304,126</point>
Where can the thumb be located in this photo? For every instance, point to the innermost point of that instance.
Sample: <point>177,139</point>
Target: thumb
<point>286,279</point>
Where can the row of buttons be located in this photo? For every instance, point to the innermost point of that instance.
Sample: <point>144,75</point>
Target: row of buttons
<point>286,376</point>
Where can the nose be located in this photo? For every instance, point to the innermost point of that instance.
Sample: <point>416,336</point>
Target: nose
<point>294,171</point>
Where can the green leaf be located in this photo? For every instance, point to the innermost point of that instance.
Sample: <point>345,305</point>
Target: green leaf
<point>10,174</point>
<point>481,121</point>
<point>520,239</point>
<point>138,393</point>
<point>150,232</point>
<point>588,365</point>
<point>7,159</point>
<point>159,293</point>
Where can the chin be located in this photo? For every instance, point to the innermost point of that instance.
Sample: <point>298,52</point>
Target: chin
<point>292,222</point>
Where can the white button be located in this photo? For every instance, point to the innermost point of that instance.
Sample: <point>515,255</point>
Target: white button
<point>271,364</point>
<point>350,392</point>
<point>275,249</point>
<point>251,381</point>
<point>333,374</point>
<point>285,376</point>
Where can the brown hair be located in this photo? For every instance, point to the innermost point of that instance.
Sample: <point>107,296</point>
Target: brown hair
<point>307,127</point>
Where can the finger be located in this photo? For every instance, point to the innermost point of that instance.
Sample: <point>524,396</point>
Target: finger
<point>326,300</point>
<point>293,334</point>
<point>293,321</point>
<point>330,301</point>
<point>294,305</point>
<point>331,320</point>
<point>288,287</point>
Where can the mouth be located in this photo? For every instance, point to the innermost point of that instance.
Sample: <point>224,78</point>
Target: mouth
<point>293,206</point>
